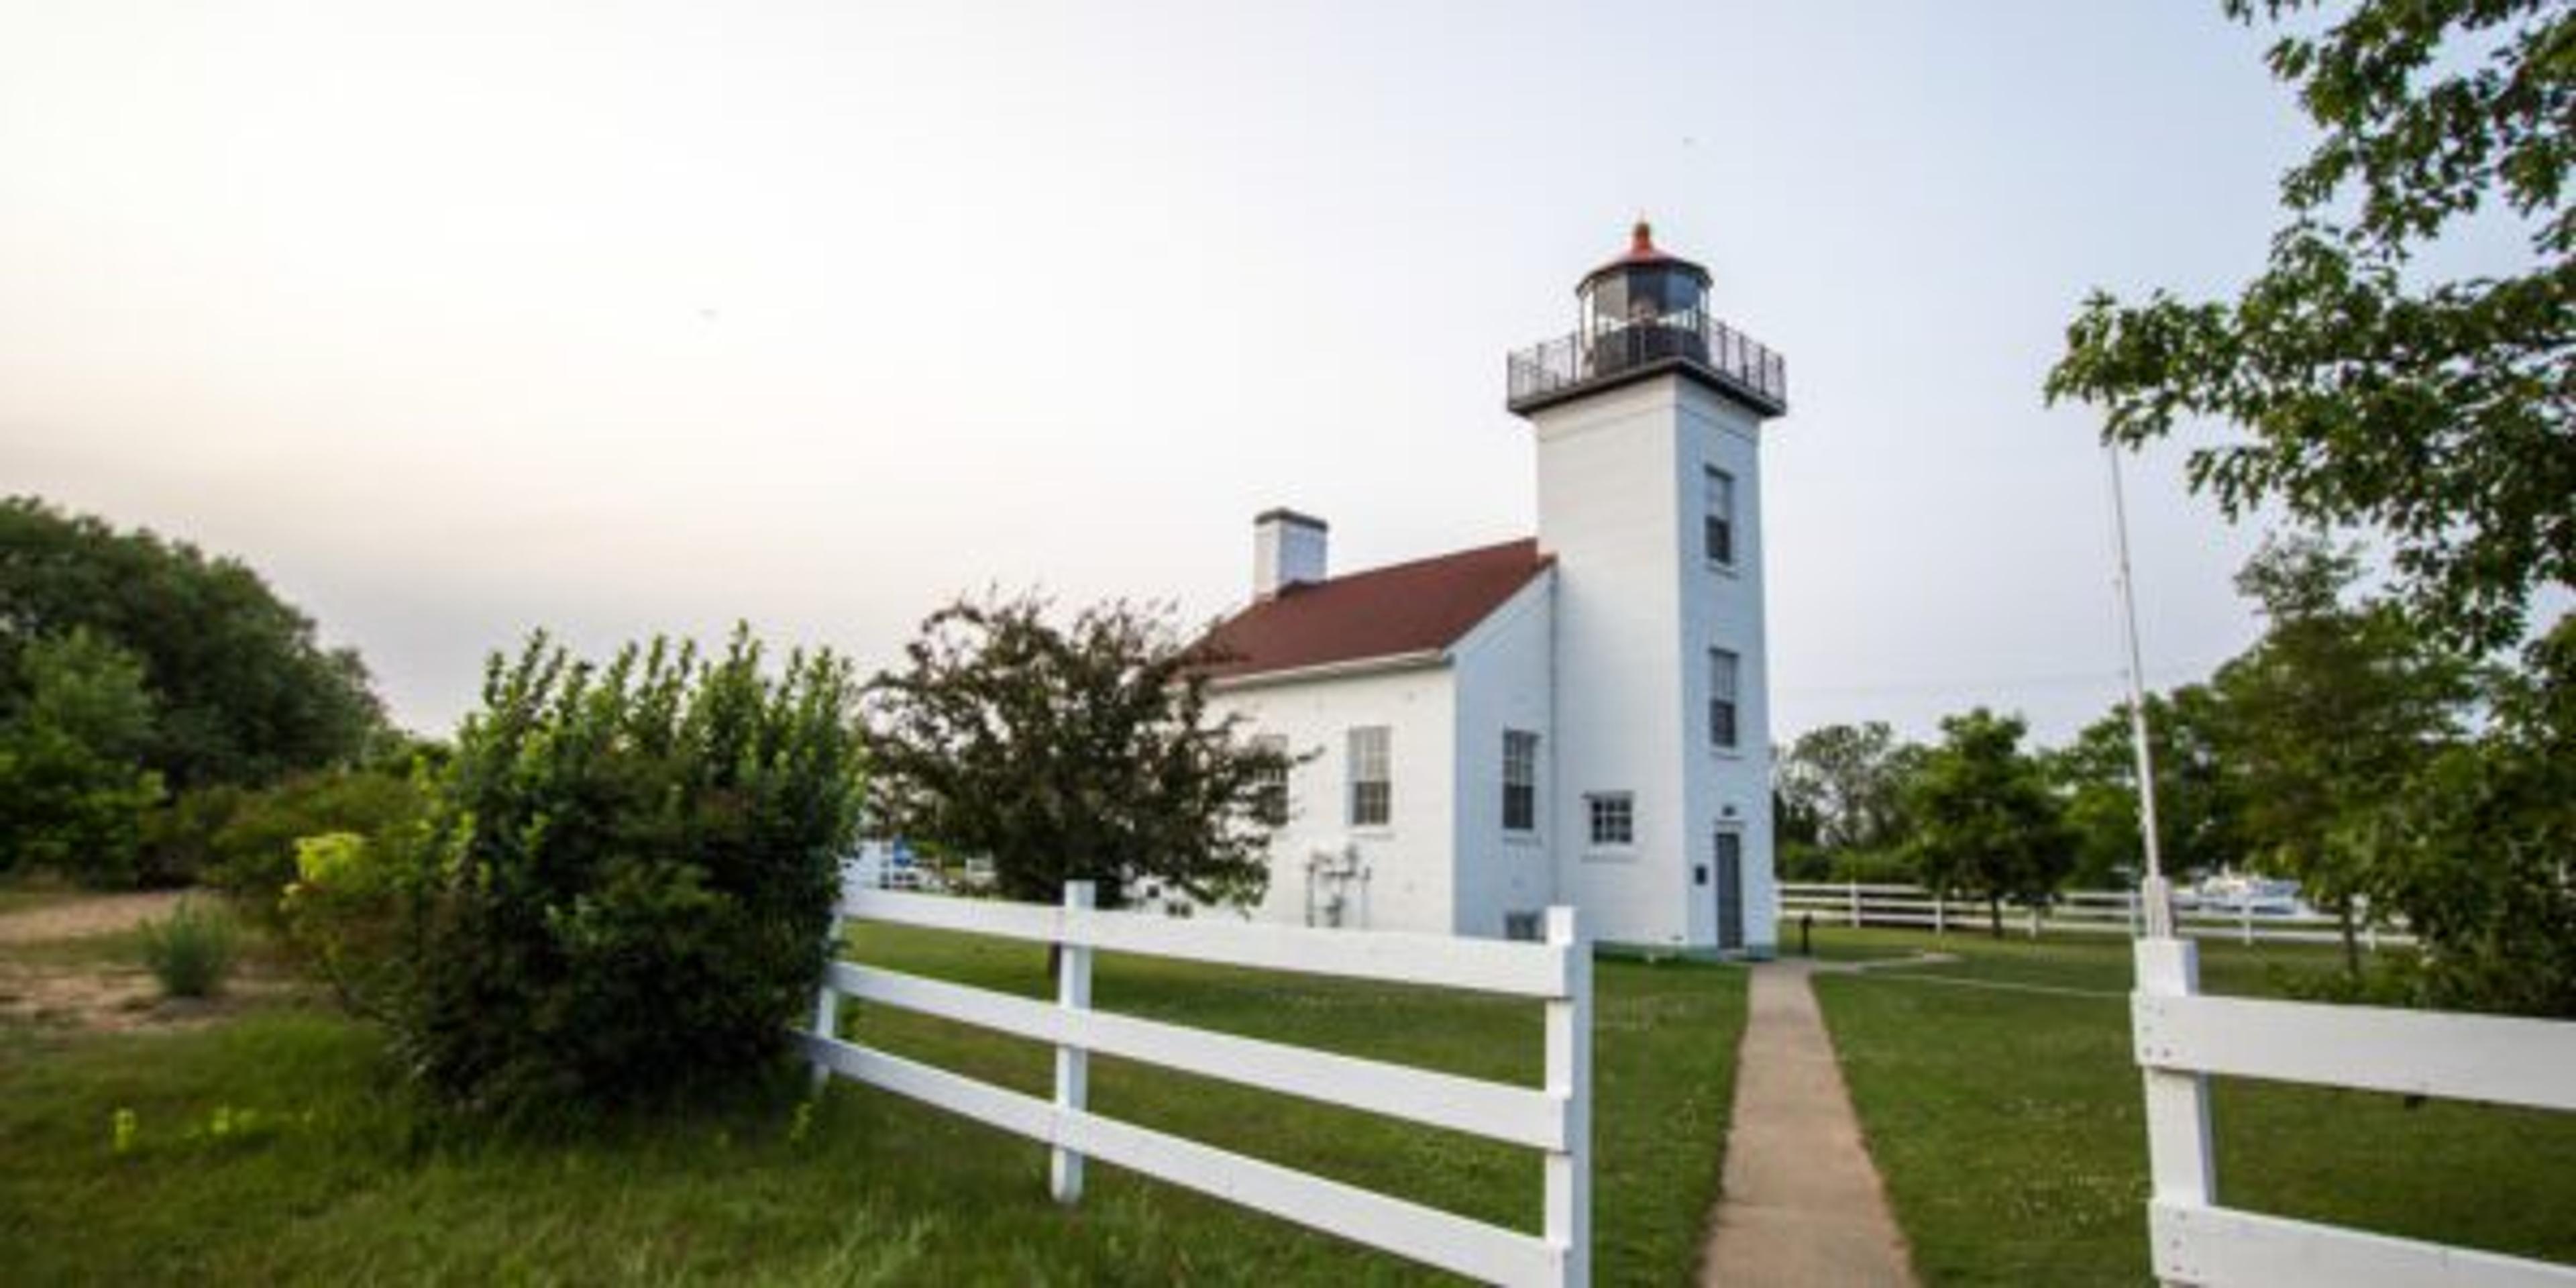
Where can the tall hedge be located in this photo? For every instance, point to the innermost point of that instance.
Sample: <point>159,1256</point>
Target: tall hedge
<point>623,881</point>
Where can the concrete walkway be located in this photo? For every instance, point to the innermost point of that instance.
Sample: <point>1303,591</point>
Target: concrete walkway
<point>1802,1204</point>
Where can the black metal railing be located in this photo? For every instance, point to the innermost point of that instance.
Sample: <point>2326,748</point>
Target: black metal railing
<point>1556,366</point>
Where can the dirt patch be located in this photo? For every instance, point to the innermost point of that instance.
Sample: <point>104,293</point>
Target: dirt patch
<point>84,992</point>
<point>103,914</point>
<point>120,999</point>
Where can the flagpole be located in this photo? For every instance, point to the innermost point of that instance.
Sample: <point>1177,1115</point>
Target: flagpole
<point>2155,890</point>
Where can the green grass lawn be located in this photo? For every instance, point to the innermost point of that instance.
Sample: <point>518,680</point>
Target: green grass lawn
<point>2008,1124</point>
<point>334,1176</point>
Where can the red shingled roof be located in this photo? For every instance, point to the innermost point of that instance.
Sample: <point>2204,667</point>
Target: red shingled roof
<point>1403,608</point>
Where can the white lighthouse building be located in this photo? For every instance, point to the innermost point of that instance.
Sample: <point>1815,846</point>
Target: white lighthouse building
<point>1579,717</point>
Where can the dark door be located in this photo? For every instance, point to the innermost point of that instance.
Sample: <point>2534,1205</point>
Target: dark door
<point>1730,889</point>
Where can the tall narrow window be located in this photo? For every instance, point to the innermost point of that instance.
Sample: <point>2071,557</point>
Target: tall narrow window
<point>1372,785</point>
<point>1613,816</point>
<point>1719,504</point>
<point>1722,668</point>
<point>1270,798</point>
<point>1520,780</point>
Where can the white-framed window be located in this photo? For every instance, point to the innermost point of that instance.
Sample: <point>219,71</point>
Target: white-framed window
<point>1612,817</point>
<point>1520,780</point>
<point>1718,513</point>
<point>1372,779</point>
<point>1270,798</point>
<point>1723,680</point>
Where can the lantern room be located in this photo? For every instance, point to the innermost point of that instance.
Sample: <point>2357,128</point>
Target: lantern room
<point>1640,315</point>
<point>1642,307</point>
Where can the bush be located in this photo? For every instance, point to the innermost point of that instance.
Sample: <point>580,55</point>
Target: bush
<point>1876,867</point>
<point>71,793</point>
<point>619,889</point>
<point>347,913</point>
<point>252,851</point>
<point>178,839</point>
<point>190,952</point>
<point>1804,861</point>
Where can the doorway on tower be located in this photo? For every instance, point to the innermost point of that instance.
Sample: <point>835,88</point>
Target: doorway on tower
<point>1728,851</point>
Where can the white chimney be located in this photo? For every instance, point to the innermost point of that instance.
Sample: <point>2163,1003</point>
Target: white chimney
<point>1287,549</point>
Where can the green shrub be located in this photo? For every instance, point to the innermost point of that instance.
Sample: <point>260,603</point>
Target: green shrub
<point>190,951</point>
<point>251,854</point>
<point>1802,861</point>
<point>178,839</point>
<point>1876,867</point>
<point>348,911</point>
<point>620,887</point>
<point>72,794</point>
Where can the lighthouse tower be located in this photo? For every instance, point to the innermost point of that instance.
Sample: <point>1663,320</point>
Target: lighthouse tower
<point>1649,420</point>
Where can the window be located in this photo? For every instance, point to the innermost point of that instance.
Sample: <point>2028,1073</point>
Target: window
<point>1719,505</point>
<point>1270,796</point>
<point>1520,780</point>
<point>1372,786</point>
<point>1613,817</point>
<point>1522,925</point>
<point>1722,668</point>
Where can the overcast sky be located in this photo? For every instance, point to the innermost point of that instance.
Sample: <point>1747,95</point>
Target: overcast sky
<point>465,318</point>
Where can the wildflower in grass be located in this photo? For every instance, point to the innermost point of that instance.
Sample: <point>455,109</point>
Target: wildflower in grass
<point>802,1125</point>
<point>122,1129</point>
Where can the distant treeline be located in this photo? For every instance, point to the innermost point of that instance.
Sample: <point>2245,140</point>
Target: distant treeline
<point>2348,749</point>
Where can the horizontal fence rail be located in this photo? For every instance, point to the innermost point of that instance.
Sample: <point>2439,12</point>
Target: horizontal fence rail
<point>2182,1037</point>
<point>1475,965</point>
<point>2078,912</point>
<point>1554,1119</point>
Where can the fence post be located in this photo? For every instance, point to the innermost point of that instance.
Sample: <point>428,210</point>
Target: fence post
<point>1854,891</point>
<point>2034,920</point>
<point>2369,924</point>
<point>1569,1077</point>
<point>2245,920</point>
<point>827,1024</point>
<point>827,1000</point>
<point>1940,913</point>
<point>2181,1164</point>
<point>1072,1064</point>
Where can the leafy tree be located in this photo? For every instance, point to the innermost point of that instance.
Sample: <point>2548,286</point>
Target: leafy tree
<point>2374,394</point>
<point>2097,775</point>
<point>71,791</point>
<point>2327,716</point>
<point>2476,851</point>
<point>621,886</point>
<point>244,692</point>
<point>1851,780</point>
<point>1081,751</point>
<point>1985,823</point>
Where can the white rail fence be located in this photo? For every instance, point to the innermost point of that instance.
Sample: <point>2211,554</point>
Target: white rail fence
<point>1554,1119</point>
<point>2182,1037</point>
<point>2108,912</point>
